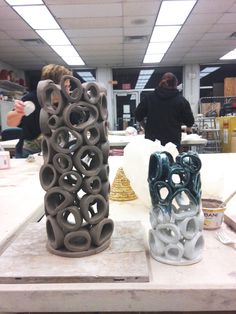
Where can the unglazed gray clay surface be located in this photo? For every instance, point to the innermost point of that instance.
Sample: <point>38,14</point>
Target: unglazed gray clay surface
<point>75,171</point>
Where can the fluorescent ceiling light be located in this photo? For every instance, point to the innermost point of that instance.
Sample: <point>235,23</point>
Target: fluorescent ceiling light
<point>229,56</point>
<point>67,51</point>
<point>164,33</point>
<point>170,19</point>
<point>206,87</point>
<point>208,70</point>
<point>24,2</point>
<point>174,12</point>
<point>54,37</point>
<point>153,58</point>
<point>143,78</point>
<point>73,60</point>
<point>37,16</point>
<point>146,72</point>
<point>86,76</point>
<point>154,48</point>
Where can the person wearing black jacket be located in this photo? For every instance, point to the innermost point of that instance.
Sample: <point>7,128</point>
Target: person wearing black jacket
<point>164,111</point>
<point>31,133</point>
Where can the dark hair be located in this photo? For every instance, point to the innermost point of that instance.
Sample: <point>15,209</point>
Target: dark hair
<point>169,80</point>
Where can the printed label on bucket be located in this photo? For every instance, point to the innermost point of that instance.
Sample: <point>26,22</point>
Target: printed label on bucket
<point>213,218</point>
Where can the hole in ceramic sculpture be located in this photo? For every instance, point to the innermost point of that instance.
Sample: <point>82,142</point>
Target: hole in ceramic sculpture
<point>163,192</point>
<point>70,179</point>
<point>178,177</point>
<point>71,88</point>
<point>88,134</point>
<point>91,92</point>
<point>95,184</point>
<point>86,160</point>
<point>65,140</point>
<point>62,162</point>
<point>93,208</point>
<point>91,212</point>
<point>191,162</point>
<point>68,217</point>
<point>168,234</point>
<point>182,198</point>
<point>55,199</point>
<point>53,98</point>
<point>48,176</point>
<point>79,240</point>
<point>173,252</point>
<point>91,135</point>
<point>183,205</point>
<point>191,227</point>
<point>79,115</point>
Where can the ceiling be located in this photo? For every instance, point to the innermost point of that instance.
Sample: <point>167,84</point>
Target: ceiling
<point>115,33</point>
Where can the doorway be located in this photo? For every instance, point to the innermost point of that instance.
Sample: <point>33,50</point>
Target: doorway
<point>125,104</point>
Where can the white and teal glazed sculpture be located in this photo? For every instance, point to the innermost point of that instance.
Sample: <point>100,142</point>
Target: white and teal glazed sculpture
<point>176,216</point>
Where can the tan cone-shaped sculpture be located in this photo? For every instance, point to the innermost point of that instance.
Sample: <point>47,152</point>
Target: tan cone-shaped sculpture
<point>121,189</point>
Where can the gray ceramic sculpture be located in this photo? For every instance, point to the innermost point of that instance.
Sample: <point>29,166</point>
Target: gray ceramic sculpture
<point>75,171</point>
<point>176,216</point>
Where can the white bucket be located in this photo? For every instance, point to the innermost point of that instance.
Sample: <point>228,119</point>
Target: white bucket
<point>213,213</point>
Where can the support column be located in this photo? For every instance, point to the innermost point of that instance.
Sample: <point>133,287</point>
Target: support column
<point>191,85</point>
<point>104,75</point>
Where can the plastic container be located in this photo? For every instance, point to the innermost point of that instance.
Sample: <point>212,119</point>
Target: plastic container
<point>213,213</point>
<point>233,141</point>
<point>4,160</point>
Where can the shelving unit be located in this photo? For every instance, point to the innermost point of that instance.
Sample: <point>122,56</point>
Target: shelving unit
<point>206,128</point>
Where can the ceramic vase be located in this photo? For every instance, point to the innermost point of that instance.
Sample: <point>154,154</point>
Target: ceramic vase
<point>75,172</point>
<point>176,216</point>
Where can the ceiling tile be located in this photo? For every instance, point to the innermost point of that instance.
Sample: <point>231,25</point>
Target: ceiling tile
<point>95,32</point>
<point>86,10</point>
<point>101,22</point>
<point>138,8</point>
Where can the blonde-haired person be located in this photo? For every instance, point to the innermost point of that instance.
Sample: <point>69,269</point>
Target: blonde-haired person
<point>30,142</point>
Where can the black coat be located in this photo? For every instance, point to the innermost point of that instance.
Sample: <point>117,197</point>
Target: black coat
<point>30,124</point>
<point>165,110</point>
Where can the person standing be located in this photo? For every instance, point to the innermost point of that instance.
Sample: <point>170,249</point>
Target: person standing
<point>164,111</point>
<point>31,137</point>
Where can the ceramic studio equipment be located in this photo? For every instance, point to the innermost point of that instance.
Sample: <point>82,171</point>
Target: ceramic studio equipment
<point>75,171</point>
<point>176,217</point>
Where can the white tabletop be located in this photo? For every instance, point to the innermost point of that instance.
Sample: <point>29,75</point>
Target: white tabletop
<point>21,197</point>
<point>123,140</point>
<point>209,285</point>
<point>118,141</point>
<point>7,145</point>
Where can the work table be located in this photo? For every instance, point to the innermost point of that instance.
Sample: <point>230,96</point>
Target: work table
<point>209,285</point>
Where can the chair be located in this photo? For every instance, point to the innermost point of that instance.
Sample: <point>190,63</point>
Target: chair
<point>12,134</point>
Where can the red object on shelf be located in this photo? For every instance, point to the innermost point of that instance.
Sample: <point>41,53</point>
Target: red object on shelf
<point>4,75</point>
